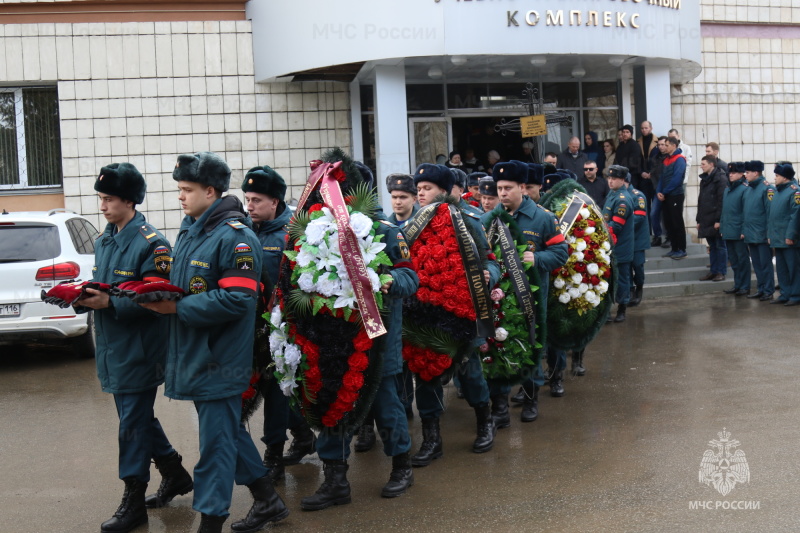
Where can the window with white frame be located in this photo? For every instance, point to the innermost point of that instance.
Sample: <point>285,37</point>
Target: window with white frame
<point>30,138</point>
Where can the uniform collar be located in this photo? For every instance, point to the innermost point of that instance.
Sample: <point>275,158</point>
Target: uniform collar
<point>270,226</point>
<point>195,226</point>
<point>128,234</point>
<point>527,207</point>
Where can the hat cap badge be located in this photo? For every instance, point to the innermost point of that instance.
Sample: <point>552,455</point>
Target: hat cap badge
<point>100,178</point>
<point>250,181</point>
<point>422,171</point>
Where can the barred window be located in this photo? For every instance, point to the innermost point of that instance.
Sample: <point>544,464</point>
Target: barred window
<point>30,138</point>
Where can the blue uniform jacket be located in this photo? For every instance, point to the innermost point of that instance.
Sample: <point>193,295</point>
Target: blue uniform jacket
<point>618,213</point>
<point>540,228</point>
<point>641,221</point>
<point>784,204</point>
<point>405,283</point>
<point>211,336</point>
<point>272,234</point>
<point>393,217</point>
<point>754,227</point>
<point>473,218</point>
<point>732,219</point>
<point>131,348</point>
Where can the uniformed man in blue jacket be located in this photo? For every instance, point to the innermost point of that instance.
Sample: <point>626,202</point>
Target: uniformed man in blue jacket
<point>641,242</point>
<point>730,227</point>
<point>217,262</point>
<point>403,193</point>
<point>404,206</point>
<point>618,214</point>
<point>547,250</point>
<point>754,229</point>
<point>436,181</point>
<point>387,409</point>
<point>264,191</point>
<point>131,352</point>
<point>782,232</point>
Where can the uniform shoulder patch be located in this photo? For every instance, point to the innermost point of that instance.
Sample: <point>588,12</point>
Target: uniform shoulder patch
<point>405,253</point>
<point>235,224</point>
<point>242,247</point>
<point>797,197</point>
<point>148,232</point>
<point>161,250</point>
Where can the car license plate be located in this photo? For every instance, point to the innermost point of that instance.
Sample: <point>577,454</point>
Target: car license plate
<point>9,309</point>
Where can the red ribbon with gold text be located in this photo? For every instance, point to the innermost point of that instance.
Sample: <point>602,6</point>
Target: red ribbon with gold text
<point>352,257</point>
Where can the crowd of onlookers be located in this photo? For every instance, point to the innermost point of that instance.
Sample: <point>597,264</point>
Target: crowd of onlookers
<point>744,220</point>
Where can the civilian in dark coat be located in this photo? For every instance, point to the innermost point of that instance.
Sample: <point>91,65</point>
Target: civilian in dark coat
<point>713,183</point>
<point>572,158</point>
<point>596,187</point>
<point>629,154</point>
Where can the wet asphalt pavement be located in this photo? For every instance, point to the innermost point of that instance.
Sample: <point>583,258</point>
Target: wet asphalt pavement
<point>621,451</point>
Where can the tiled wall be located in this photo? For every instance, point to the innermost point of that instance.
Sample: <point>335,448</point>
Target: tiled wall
<point>751,11</point>
<point>145,92</point>
<point>747,98</point>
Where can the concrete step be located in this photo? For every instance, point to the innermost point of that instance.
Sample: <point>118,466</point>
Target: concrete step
<point>691,249</point>
<point>685,288</point>
<point>675,275</point>
<point>666,263</point>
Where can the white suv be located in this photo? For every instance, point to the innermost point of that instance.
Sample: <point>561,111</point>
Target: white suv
<point>37,251</point>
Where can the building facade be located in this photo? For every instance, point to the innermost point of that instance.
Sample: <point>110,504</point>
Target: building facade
<point>85,83</point>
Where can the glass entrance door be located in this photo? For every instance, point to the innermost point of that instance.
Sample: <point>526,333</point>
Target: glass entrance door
<point>429,138</point>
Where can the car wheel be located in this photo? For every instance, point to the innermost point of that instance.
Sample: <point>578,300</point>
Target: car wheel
<point>84,346</point>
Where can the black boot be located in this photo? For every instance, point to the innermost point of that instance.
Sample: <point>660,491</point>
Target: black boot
<point>577,363</point>
<point>557,384</point>
<point>132,512</point>
<point>267,507</point>
<point>519,397</point>
<point>486,430</point>
<point>175,481</point>
<point>335,490</point>
<point>366,436</point>
<point>401,478</point>
<point>303,444</point>
<point>636,297</point>
<point>500,411</point>
<point>273,459</point>
<point>431,447</point>
<point>211,524</point>
<point>620,313</point>
<point>530,407</point>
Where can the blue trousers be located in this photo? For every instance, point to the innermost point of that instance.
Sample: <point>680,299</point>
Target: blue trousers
<point>557,359</point>
<point>761,255</point>
<point>227,455</point>
<point>405,387</point>
<point>655,216</point>
<point>430,397</point>
<point>718,254</point>
<point>623,283</point>
<point>739,257</point>
<point>390,418</point>
<point>276,414</point>
<point>496,388</point>
<point>637,268</point>
<point>141,437</point>
<point>787,263</point>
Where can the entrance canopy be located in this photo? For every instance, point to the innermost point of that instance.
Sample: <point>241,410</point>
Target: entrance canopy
<point>315,39</point>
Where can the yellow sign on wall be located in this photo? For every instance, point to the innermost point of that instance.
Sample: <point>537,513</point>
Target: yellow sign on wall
<point>533,126</point>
